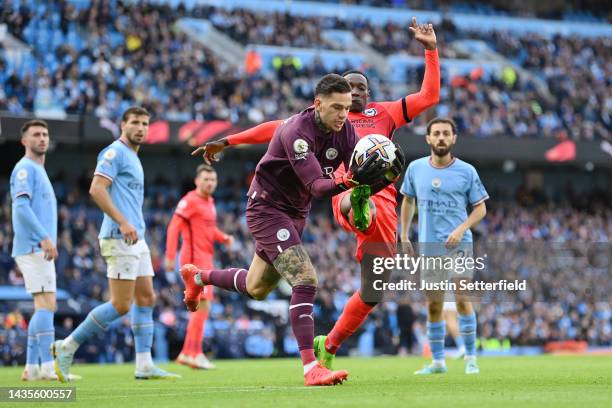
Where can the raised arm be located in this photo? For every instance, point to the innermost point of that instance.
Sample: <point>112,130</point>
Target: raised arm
<point>407,108</point>
<point>261,133</point>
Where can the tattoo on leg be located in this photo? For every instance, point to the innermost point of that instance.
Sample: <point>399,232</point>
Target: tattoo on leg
<point>294,265</point>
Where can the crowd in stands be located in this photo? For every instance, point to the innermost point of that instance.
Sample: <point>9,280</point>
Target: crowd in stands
<point>568,298</point>
<point>574,10</point>
<point>100,59</point>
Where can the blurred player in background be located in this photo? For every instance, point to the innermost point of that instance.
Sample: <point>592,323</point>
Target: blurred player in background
<point>444,186</point>
<point>195,221</point>
<point>118,189</point>
<point>374,221</point>
<point>287,178</point>
<point>34,245</point>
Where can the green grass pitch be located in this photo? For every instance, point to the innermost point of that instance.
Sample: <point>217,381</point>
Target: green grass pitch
<point>547,381</point>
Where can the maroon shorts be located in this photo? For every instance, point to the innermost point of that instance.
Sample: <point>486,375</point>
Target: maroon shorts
<point>274,231</point>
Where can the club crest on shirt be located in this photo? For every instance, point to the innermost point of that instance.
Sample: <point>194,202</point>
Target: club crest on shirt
<point>110,154</point>
<point>22,174</point>
<point>182,204</point>
<point>331,153</point>
<point>370,112</point>
<point>436,183</point>
<point>282,234</point>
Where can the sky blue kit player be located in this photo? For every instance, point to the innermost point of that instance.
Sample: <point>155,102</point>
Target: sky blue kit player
<point>118,189</point>
<point>121,165</point>
<point>443,187</point>
<point>443,195</point>
<point>34,214</point>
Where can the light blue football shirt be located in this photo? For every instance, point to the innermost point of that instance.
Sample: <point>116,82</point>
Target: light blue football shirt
<point>442,196</point>
<point>122,166</point>
<point>30,179</point>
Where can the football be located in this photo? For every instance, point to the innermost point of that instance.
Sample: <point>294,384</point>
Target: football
<point>374,144</point>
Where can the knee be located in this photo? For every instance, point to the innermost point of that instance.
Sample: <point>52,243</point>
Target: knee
<point>435,309</point>
<point>146,299</point>
<point>309,279</point>
<point>372,208</point>
<point>121,306</point>
<point>464,308</point>
<point>259,293</point>
<point>345,205</point>
<point>371,301</point>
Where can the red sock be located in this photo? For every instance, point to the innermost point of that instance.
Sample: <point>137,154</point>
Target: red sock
<point>354,314</point>
<point>195,333</point>
<point>308,356</point>
<point>302,320</point>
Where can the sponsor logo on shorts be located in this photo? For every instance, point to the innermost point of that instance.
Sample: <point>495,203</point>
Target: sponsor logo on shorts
<point>283,234</point>
<point>22,174</point>
<point>436,183</point>
<point>331,153</point>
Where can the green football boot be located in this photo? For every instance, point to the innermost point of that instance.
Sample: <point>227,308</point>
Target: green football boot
<point>361,207</point>
<point>325,357</point>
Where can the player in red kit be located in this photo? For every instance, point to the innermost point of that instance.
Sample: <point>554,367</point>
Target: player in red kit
<point>195,220</point>
<point>381,227</point>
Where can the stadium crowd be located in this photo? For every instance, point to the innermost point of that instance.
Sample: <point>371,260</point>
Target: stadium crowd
<point>568,300</point>
<point>108,56</point>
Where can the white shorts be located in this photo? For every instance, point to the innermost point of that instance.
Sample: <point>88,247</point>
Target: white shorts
<point>126,262</point>
<point>38,273</point>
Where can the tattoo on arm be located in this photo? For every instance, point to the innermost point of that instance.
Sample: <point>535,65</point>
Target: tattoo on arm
<point>294,265</point>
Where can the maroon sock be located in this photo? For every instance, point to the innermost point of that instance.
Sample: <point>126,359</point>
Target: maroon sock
<point>233,279</point>
<point>302,320</point>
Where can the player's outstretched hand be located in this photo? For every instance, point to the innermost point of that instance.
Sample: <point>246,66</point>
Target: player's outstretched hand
<point>49,249</point>
<point>210,151</point>
<point>398,165</point>
<point>130,236</point>
<point>424,33</point>
<point>371,171</point>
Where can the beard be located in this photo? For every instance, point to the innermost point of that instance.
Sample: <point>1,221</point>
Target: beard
<point>441,151</point>
<point>135,140</point>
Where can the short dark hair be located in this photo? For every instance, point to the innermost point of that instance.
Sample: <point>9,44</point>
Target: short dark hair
<point>205,167</point>
<point>134,110</point>
<point>32,123</point>
<point>442,120</point>
<point>356,71</point>
<point>331,83</point>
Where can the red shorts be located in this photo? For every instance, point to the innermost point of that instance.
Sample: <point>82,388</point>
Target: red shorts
<point>382,233</point>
